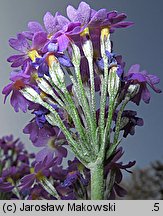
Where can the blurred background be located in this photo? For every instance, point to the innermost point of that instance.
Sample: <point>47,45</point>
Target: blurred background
<point>143,43</point>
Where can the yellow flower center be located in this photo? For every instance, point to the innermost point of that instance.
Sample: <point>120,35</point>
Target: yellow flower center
<point>33,54</point>
<point>9,179</point>
<point>51,143</point>
<point>39,176</point>
<point>32,170</point>
<point>84,32</point>
<point>51,59</point>
<point>105,32</point>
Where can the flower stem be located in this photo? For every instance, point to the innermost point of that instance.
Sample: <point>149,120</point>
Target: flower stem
<point>97,182</point>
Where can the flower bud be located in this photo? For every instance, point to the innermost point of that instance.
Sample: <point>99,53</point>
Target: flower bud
<point>133,90</point>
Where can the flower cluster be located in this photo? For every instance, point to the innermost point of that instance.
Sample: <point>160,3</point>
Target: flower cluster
<point>22,176</point>
<point>61,71</point>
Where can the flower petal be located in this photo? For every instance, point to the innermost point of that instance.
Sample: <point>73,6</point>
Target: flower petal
<point>35,27</point>
<point>21,44</point>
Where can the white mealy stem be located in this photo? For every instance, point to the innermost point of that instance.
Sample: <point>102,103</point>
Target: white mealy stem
<point>88,52</point>
<point>113,83</point>
<point>47,88</point>
<point>57,74</point>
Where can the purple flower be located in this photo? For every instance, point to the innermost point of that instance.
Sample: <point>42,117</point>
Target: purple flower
<point>113,164</point>
<point>54,148</point>
<point>51,138</point>
<point>42,64</point>
<point>18,82</point>
<point>5,186</point>
<point>58,173</point>
<point>72,178</point>
<point>50,24</point>
<point>37,193</point>
<point>76,170</point>
<point>113,60</point>
<point>53,24</point>
<point>40,116</point>
<point>40,170</point>
<point>96,19</point>
<point>39,136</point>
<point>129,122</point>
<point>28,52</point>
<point>135,76</point>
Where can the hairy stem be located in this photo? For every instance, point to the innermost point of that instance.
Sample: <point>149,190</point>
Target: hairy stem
<point>97,182</point>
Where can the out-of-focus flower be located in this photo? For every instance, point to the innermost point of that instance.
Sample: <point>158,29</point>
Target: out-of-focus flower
<point>40,170</point>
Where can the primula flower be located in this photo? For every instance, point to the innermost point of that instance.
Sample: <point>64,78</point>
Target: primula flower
<point>38,193</point>
<point>113,60</point>
<point>95,19</point>
<point>42,64</point>
<point>129,122</point>
<point>38,136</point>
<point>50,24</point>
<point>5,186</point>
<point>54,147</point>
<point>18,81</point>
<point>76,172</point>
<point>51,138</point>
<point>28,52</point>
<point>135,76</point>
<point>14,164</point>
<point>73,177</point>
<point>40,116</point>
<point>59,173</point>
<point>113,164</point>
<point>41,170</point>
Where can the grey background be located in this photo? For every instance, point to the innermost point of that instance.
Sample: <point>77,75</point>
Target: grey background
<point>139,44</point>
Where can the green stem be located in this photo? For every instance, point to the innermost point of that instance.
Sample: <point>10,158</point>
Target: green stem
<point>117,129</point>
<point>118,122</point>
<point>108,126</point>
<point>97,182</point>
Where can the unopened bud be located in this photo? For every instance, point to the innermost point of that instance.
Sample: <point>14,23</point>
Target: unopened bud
<point>133,90</point>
